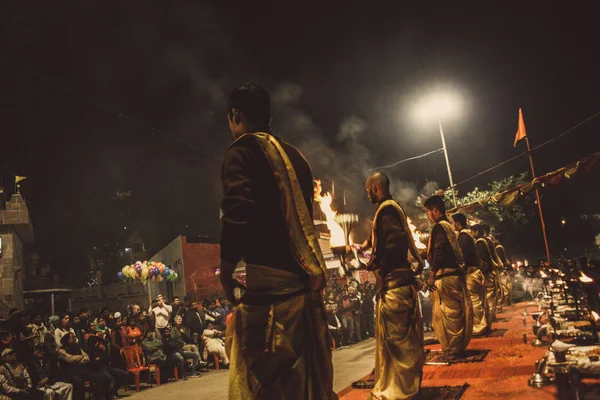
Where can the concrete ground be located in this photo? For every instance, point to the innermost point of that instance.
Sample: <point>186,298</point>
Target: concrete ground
<point>349,363</point>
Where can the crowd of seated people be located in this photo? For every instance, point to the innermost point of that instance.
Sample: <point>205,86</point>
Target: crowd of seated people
<point>64,356</point>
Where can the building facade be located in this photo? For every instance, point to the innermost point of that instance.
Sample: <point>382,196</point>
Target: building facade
<point>16,232</point>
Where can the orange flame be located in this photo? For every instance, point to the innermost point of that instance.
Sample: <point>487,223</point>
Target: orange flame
<point>584,278</point>
<point>595,316</point>
<point>415,235</point>
<point>337,233</point>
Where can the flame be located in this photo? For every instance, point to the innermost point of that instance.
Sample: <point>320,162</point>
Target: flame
<point>415,235</point>
<point>585,279</point>
<point>596,316</point>
<point>337,233</point>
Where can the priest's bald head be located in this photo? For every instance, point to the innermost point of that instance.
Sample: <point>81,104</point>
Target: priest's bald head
<point>378,187</point>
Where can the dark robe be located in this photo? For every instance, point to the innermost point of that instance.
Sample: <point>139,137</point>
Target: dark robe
<point>440,254</point>
<point>399,353</point>
<point>392,242</point>
<point>467,245</point>
<point>489,268</point>
<point>451,304</point>
<point>277,339</point>
<point>476,287</point>
<point>254,225</point>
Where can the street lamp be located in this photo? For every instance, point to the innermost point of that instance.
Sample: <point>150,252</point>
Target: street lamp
<point>444,105</point>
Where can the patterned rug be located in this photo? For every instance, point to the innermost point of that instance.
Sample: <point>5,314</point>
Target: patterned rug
<point>497,332</point>
<point>437,357</point>
<point>444,392</point>
<point>427,393</point>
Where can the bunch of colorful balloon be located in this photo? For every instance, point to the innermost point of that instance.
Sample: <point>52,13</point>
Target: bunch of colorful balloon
<point>147,270</point>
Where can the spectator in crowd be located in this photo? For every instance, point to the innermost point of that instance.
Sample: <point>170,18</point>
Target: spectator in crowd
<point>78,328</point>
<point>208,307</point>
<point>107,316</point>
<point>103,332</point>
<point>195,320</point>
<point>5,339</point>
<point>223,309</point>
<point>367,312</point>
<point>355,305</point>
<point>38,329</point>
<point>213,340</point>
<point>161,315</point>
<point>84,315</point>
<point>181,332</point>
<point>100,364</point>
<point>16,324</point>
<point>15,381</point>
<point>153,350</point>
<point>64,327</point>
<point>118,340</point>
<point>74,362</point>
<point>44,376</point>
<point>178,308</point>
<point>176,355</point>
<point>135,311</point>
<point>347,321</point>
<point>134,333</point>
<point>333,322</point>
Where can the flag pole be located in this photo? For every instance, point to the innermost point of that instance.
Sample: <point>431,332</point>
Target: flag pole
<point>537,197</point>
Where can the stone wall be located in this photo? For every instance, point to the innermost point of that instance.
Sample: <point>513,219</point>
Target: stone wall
<point>115,296</point>
<point>11,271</point>
<point>15,232</point>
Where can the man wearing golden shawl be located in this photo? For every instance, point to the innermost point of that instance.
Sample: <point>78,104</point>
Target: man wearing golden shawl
<point>474,277</point>
<point>400,355</point>
<point>277,339</point>
<point>452,316</point>
<point>506,275</point>
<point>489,269</point>
<point>499,265</point>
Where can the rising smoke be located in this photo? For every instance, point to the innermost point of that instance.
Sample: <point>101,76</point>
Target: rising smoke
<point>338,158</point>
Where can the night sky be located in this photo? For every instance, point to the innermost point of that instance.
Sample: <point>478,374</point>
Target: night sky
<point>343,78</point>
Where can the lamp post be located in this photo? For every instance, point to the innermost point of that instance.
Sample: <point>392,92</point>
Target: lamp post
<point>441,105</point>
<point>447,162</point>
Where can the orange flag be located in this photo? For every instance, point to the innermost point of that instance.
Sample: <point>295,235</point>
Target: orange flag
<point>521,132</point>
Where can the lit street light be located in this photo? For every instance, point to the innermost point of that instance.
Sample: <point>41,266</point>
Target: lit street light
<point>441,106</point>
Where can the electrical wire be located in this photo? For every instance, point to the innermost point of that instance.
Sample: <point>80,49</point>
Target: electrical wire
<point>112,110</point>
<point>527,152</point>
<point>398,162</point>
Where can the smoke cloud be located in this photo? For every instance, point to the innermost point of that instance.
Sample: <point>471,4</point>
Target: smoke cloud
<point>341,158</point>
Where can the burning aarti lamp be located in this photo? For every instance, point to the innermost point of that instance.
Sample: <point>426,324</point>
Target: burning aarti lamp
<point>539,379</point>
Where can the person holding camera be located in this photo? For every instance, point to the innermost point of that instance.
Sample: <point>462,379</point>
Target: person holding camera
<point>15,381</point>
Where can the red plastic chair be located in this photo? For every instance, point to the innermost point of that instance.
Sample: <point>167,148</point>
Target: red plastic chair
<point>133,363</point>
<point>207,353</point>
<point>216,358</point>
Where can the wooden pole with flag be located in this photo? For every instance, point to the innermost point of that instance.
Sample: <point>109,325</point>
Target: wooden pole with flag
<point>522,134</point>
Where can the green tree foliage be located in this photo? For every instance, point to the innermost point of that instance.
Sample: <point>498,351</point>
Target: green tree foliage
<point>497,216</point>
